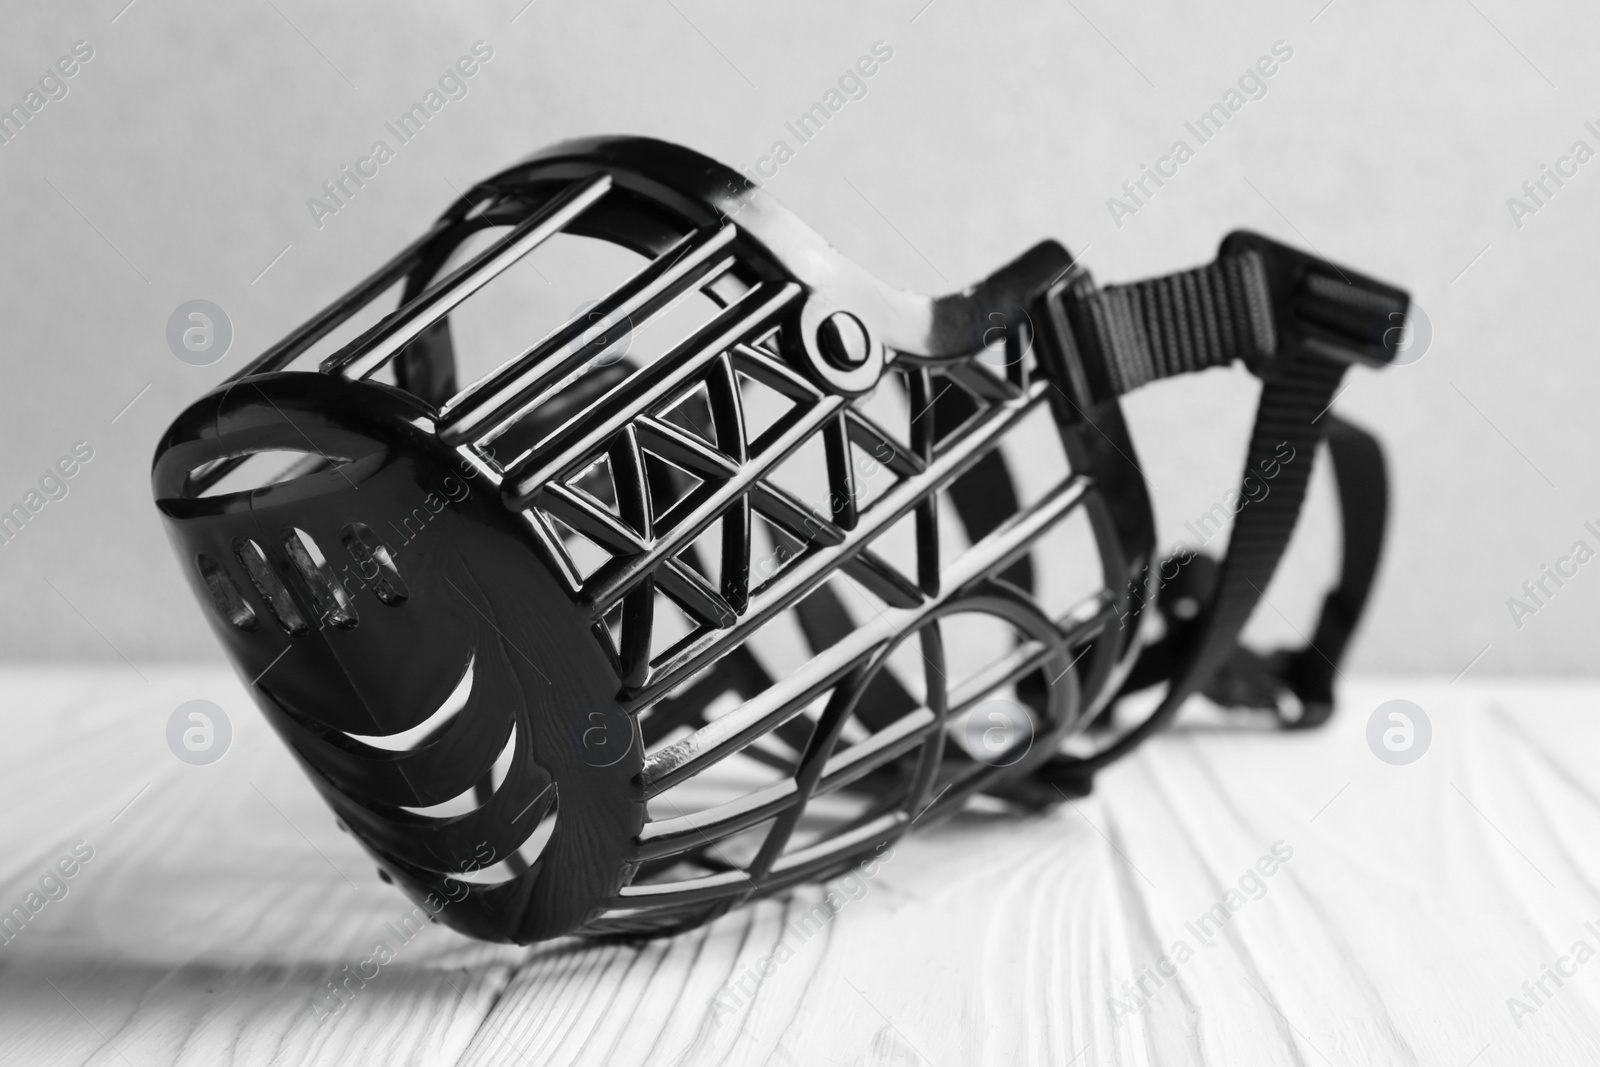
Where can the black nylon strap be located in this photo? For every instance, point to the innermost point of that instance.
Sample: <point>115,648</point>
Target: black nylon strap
<point>1206,317</point>
<point>1252,680</point>
<point>1364,505</point>
<point>1321,318</point>
<point>1285,413</point>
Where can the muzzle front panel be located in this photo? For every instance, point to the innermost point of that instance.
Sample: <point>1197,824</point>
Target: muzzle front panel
<point>397,639</point>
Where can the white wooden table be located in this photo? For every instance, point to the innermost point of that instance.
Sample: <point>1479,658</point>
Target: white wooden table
<point>1416,900</point>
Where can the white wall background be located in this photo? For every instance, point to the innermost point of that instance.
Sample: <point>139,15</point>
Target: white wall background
<point>179,163</point>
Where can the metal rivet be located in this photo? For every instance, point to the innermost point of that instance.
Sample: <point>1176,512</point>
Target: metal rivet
<point>843,340</point>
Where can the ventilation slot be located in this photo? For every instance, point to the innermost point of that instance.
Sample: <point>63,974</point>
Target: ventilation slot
<point>599,483</point>
<point>270,586</point>
<point>418,735</point>
<point>375,563</point>
<point>525,856</point>
<point>475,796</point>
<point>767,411</point>
<point>585,556</point>
<point>332,603</point>
<point>772,550</point>
<point>225,595</point>
<point>670,485</point>
<point>692,412</point>
<point>271,467</point>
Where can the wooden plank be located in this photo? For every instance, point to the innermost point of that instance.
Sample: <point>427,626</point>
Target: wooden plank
<point>1414,902</point>
<point>214,906</point>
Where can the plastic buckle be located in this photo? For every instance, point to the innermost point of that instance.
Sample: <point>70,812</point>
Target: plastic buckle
<point>1322,309</point>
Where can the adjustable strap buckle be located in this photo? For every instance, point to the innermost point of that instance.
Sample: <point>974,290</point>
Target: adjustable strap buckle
<point>1261,302</point>
<point>1322,309</point>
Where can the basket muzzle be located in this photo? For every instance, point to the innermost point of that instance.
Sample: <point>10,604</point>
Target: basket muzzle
<point>453,607</point>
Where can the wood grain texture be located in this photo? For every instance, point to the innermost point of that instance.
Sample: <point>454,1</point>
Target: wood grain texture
<point>1416,901</point>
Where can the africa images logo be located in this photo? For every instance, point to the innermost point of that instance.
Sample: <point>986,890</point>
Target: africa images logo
<point>453,85</point>
<point>52,86</point>
<point>53,886</point>
<point>1252,85</point>
<point>1539,591</point>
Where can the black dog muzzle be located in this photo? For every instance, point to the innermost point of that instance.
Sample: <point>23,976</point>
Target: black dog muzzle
<point>609,642</point>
